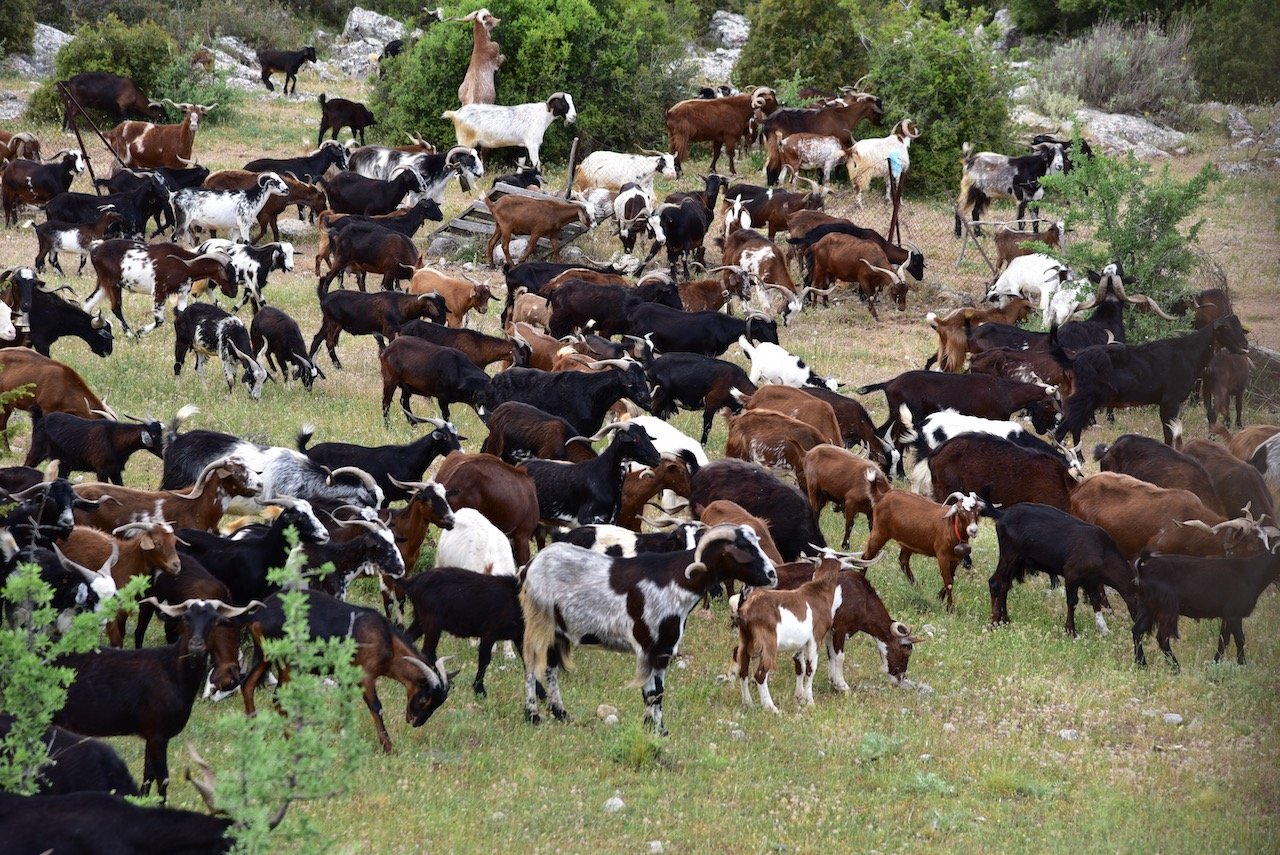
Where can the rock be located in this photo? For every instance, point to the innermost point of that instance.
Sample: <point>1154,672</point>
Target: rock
<point>1118,133</point>
<point>518,246</point>
<point>242,53</point>
<point>728,29</point>
<point>1069,734</point>
<point>1010,34</point>
<point>1029,118</point>
<point>948,727</point>
<point>44,47</point>
<point>1239,167</point>
<point>1172,718</point>
<point>1238,127</point>
<point>614,804</point>
<point>716,65</point>
<point>655,847</point>
<point>606,710</point>
<point>444,245</point>
<point>11,106</point>
<point>611,720</point>
<point>364,25</point>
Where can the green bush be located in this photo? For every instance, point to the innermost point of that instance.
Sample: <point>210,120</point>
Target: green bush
<point>17,26</point>
<point>938,74</point>
<point>1071,16</point>
<point>144,53</point>
<point>1236,50</point>
<point>1129,69</point>
<point>1142,221</point>
<point>261,24</point>
<point>621,60</point>
<point>816,40</point>
<point>1051,103</point>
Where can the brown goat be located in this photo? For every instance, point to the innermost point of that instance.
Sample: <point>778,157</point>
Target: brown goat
<point>1243,443</point>
<point>711,295</point>
<point>855,484</point>
<point>536,217</point>
<point>1240,487</point>
<point>839,257</point>
<point>1141,516</point>
<point>201,507</point>
<point>532,309</point>
<point>953,329</point>
<point>799,405</point>
<point>672,473</point>
<point>925,527</point>
<point>486,58</point>
<point>724,511</point>
<point>543,348</point>
<point>461,293</point>
<point>1226,378</point>
<point>143,145</point>
<point>1010,242</point>
<point>771,439</point>
<point>722,122</point>
<point>16,145</point>
<point>57,388</point>
<point>503,493</point>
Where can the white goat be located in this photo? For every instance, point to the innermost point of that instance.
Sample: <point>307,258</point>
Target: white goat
<point>612,169</point>
<point>1035,277</point>
<point>495,126</point>
<point>224,209</point>
<point>773,364</point>
<point>871,156</point>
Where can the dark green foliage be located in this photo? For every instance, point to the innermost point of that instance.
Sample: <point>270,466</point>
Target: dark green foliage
<point>17,26</point>
<point>144,53</point>
<point>1136,219</point>
<point>1236,50</point>
<point>620,60</point>
<point>936,74</point>
<point>1070,16</point>
<point>817,40</point>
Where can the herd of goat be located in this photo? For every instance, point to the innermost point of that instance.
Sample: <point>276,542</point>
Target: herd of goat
<point>1174,529</point>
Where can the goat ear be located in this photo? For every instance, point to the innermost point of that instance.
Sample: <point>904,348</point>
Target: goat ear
<point>146,542</point>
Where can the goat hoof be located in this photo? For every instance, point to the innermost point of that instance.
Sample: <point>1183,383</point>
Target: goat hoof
<point>480,692</point>
<point>559,714</point>
<point>532,717</point>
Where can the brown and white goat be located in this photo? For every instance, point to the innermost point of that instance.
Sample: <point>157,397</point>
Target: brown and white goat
<point>143,145</point>
<point>201,507</point>
<point>536,217</point>
<point>773,622</point>
<point>923,527</point>
<point>853,483</point>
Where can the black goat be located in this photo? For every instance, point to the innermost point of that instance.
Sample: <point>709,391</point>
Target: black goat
<point>580,398</point>
<point>387,464</point>
<point>417,367</point>
<point>100,446</point>
<point>1199,588</point>
<point>1160,372</point>
<point>278,334</point>
<point>578,304</point>
<point>149,200</point>
<point>1038,537</point>
<point>591,491</point>
<point>350,193</point>
<point>379,315</point>
<point>78,764</point>
<point>287,61</point>
<point>695,382</point>
<point>707,333</point>
<point>309,168</point>
<point>51,318</point>
<point>760,493</point>
<point>465,604</point>
<point>372,552</point>
<point>105,824</point>
<point>146,692</point>
<point>339,113</point>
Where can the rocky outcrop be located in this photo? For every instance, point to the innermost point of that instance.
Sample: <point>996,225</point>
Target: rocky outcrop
<point>1118,133</point>
<point>44,48</point>
<point>729,32</point>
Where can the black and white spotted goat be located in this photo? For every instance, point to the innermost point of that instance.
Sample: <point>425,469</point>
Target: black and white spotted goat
<point>435,170</point>
<point>210,331</point>
<point>232,210</point>
<point>252,264</point>
<point>573,596</point>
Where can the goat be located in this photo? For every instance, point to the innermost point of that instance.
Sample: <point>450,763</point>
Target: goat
<point>722,122</point>
<point>922,526</point>
<point>492,126</point>
<point>461,293</point>
<point>20,145</point>
<point>771,363</point>
<point>52,386</point>
<point>760,493</point>
<point>853,484</point>
<point>144,145</point>
<point>161,269</point>
<point>481,349</point>
<point>804,151</point>
<point>1159,372</point>
<point>503,493</point>
<point>536,217</point>
<point>417,367</point>
<point>519,431</point>
<point>573,596</point>
<point>97,445</point>
<point>773,622</point>
<point>433,169</point>
<point>1037,537</point>
<point>1224,588</point>
<point>404,221</point>
<point>1011,243</point>
<point>217,484</point>
<point>149,692</point>
<point>148,200</point>
<point>1002,471</point>
<point>339,113</point>
<point>953,330</point>
<point>1156,463</point>
<point>33,183</point>
<point>695,382</point>
<point>612,170</point>
<point>273,330</point>
<point>85,822</point>
<point>725,512</point>
<point>1226,377</point>
<point>224,209</point>
<point>486,58</point>
<point>1239,486</point>
<point>352,193</point>
<point>591,491</point>
<point>309,168</point>
<point>367,248</point>
<point>837,257</point>
<point>987,175</point>
<point>380,315</point>
<point>391,466</point>
<point>56,237</point>
<point>286,61</point>
<point>209,331</point>
<point>115,95</point>
<point>76,764</point>
<point>882,156</point>
<point>582,399</point>
<point>381,651</point>
<point>836,118</point>
<point>773,440</point>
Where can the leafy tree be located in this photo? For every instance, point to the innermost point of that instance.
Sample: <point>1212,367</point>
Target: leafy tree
<point>622,61</point>
<point>817,40</point>
<point>1142,220</point>
<point>1236,50</point>
<point>32,687</point>
<point>17,26</point>
<point>939,74</point>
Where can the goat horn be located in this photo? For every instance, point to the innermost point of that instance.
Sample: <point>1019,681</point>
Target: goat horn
<point>129,528</point>
<point>1150,305</point>
<point>364,476</point>
<point>884,270</point>
<point>363,523</point>
<point>89,575</point>
<point>207,782</point>
<point>724,532</point>
<point>427,670</point>
<point>412,486</point>
<point>226,611</point>
<point>664,521</point>
<point>622,364</point>
<point>1197,524</point>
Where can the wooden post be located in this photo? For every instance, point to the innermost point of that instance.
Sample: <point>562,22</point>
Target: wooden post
<point>67,100</point>
<point>968,233</point>
<point>573,164</point>
<point>895,194</point>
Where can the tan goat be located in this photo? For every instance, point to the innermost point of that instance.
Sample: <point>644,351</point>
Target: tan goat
<point>833,474</point>
<point>536,217</point>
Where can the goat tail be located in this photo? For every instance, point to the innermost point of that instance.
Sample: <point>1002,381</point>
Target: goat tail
<point>171,429</point>
<point>874,387</point>
<point>304,436</point>
<point>1100,451</point>
<point>322,100</point>
<point>539,635</point>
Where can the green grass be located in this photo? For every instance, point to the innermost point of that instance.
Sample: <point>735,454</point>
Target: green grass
<point>974,765</point>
